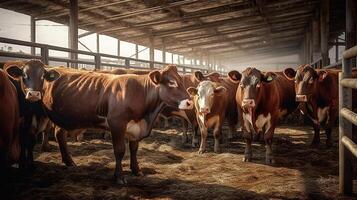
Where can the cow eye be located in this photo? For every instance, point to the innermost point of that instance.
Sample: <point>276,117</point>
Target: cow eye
<point>25,76</point>
<point>173,84</point>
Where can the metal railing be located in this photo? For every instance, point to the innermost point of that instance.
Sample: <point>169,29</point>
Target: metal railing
<point>96,58</point>
<point>317,64</point>
<point>347,148</point>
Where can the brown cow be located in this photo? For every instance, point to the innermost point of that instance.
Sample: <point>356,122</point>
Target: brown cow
<point>232,110</point>
<point>317,91</point>
<point>263,98</point>
<point>210,102</point>
<point>9,123</point>
<point>126,105</point>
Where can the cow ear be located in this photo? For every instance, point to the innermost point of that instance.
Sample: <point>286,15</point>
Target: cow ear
<point>289,73</point>
<point>199,76</point>
<point>155,77</point>
<point>268,77</point>
<point>14,71</point>
<point>234,76</point>
<point>220,90</point>
<point>51,75</point>
<point>192,91</point>
<point>322,75</point>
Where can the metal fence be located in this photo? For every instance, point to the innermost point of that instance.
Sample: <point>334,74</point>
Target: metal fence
<point>347,148</point>
<point>97,60</point>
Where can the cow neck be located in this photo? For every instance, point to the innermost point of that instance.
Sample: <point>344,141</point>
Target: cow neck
<point>153,104</point>
<point>151,92</point>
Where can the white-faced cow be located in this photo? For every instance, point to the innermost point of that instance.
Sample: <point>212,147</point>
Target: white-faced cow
<point>210,102</point>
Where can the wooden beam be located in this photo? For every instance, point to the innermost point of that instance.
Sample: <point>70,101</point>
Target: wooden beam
<point>324,23</point>
<point>33,34</point>
<point>151,51</point>
<point>98,43</point>
<point>351,26</point>
<point>64,12</point>
<point>73,30</point>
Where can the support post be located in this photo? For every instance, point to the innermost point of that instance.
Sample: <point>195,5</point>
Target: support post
<point>172,58</point>
<point>136,51</point>
<point>163,51</point>
<point>152,57</point>
<point>351,32</point>
<point>98,47</point>
<point>33,34</point>
<point>336,48</point>
<point>73,30</point>
<point>118,46</point>
<point>316,36</point>
<point>324,23</point>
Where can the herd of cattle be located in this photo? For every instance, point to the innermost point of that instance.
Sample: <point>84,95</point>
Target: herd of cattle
<point>127,102</point>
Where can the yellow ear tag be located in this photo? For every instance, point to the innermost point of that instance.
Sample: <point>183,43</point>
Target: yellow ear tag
<point>270,78</point>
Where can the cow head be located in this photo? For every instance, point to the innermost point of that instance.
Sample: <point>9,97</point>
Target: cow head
<point>31,75</point>
<point>306,79</point>
<point>249,89</point>
<point>171,89</point>
<point>204,95</point>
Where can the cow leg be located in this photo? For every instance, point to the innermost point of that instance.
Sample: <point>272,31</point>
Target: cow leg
<point>248,146</point>
<point>194,135</point>
<point>134,166</point>
<point>79,137</point>
<point>217,137</point>
<point>316,139</point>
<point>268,138</point>
<point>184,132</point>
<point>204,133</point>
<point>166,122</point>
<point>119,151</point>
<point>45,145</point>
<point>61,137</point>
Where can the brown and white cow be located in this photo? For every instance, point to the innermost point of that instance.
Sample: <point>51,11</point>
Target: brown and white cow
<point>317,91</point>
<point>30,106</point>
<point>126,105</point>
<point>263,98</point>
<point>210,102</point>
<point>189,116</point>
<point>9,123</point>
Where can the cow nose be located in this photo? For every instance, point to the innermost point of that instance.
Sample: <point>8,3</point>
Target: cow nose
<point>301,98</point>
<point>33,95</point>
<point>204,110</point>
<point>248,103</point>
<point>185,104</point>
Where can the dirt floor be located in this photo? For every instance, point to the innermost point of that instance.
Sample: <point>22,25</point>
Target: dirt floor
<point>173,171</point>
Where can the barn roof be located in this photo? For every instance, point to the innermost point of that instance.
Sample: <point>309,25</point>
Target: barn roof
<point>227,29</point>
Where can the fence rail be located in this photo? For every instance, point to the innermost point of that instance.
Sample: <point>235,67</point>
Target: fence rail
<point>96,58</point>
<point>347,148</point>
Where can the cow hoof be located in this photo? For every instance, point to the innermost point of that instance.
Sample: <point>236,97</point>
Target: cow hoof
<point>70,163</point>
<point>315,142</point>
<point>137,173</point>
<point>247,158</point>
<point>269,161</point>
<point>194,145</point>
<point>328,144</point>
<point>45,149</point>
<point>201,151</point>
<point>217,150</point>
<point>120,180</point>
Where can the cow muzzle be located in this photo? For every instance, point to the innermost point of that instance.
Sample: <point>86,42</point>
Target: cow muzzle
<point>205,110</point>
<point>185,104</point>
<point>33,95</point>
<point>301,98</point>
<point>250,103</point>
